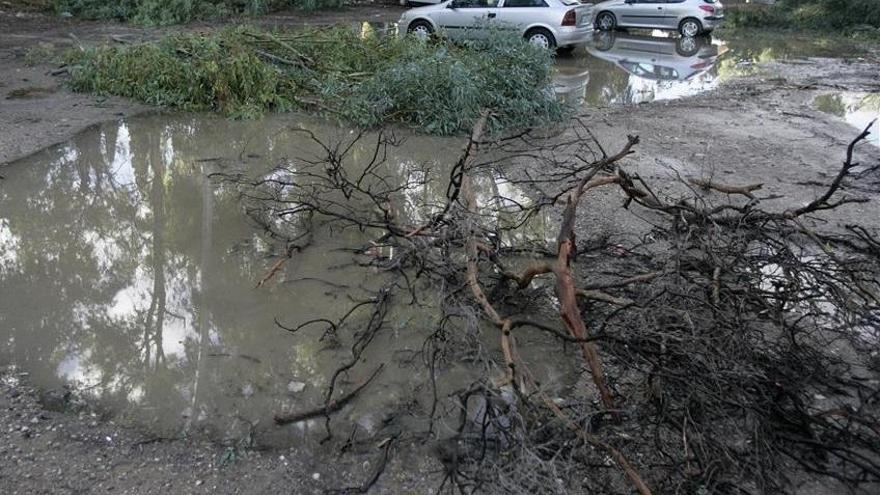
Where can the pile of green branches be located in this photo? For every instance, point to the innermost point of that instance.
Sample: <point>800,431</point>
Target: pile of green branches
<point>358,77</point>
<point>166,12</point>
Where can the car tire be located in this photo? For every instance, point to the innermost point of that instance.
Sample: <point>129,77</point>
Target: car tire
<point>688,46</point>
<point>604,40</point>
<point>540,37</point>
<point>421,29</point>
<point>606,21</point>
<point>690,27</point>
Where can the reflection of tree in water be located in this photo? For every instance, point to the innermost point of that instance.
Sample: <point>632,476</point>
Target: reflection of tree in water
<point>67,238</point>
<point>607,84</point>
<point>124,282</point>
<point>105,259</point>
<point>831,103</point>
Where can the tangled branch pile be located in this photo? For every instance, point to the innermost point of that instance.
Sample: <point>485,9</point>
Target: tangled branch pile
<point>360,77</point>
<point>732,349</point>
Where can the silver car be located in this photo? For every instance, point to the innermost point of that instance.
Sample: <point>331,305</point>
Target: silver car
<point>548,23</point>
<point>689,17</point>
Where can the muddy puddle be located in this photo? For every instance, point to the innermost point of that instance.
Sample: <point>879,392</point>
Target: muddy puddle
<point>128,273</point>
<point>640,66</point>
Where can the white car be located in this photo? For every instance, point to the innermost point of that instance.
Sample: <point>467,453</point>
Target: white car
<point>548,23</point>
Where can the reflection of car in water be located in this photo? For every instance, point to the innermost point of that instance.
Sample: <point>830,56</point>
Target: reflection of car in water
<point>570,79</point>
<point>650,57</point>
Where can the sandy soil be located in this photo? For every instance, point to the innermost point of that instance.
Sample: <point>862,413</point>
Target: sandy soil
<point>762,128</point>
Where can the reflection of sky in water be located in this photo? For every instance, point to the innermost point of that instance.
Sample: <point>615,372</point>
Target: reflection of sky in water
<point>641,89</point>
<point>121,168</point>
<point>94,239</point>
<point>8,245</point>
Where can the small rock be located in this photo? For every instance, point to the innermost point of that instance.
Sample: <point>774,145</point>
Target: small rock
<point>199,482</point>
<point>316,476</point>
<point>295,387</point>
<point>247,390</point>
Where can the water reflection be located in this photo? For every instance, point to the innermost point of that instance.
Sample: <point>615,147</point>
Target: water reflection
<point>636,66</point>
<point>857,109</point>
<point>126,270</point>
<point>653,67</point>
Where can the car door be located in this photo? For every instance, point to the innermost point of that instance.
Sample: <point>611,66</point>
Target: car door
<point>517,14</point>
<point>643,13</point>
<point>675,11</point>
<point>468,19</point>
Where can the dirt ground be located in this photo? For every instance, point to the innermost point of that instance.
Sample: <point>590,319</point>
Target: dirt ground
<point>761,128</point>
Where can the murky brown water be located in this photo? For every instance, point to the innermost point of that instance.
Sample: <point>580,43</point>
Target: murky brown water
<point>129,273</point>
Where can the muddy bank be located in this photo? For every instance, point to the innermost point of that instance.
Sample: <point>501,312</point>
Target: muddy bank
<point>46,451</point>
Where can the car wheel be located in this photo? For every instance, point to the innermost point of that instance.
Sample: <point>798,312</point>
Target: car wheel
<point>604,40</point>
<point>687,46</point>
<point>606,21</point>
<point>690,27</point>
<point>421,29</point>
<point>541,37</point>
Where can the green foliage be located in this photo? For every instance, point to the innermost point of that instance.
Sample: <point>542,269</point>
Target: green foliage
<point>189,71</point>
<point>365,79</point>
<point>807,14</point>
<point>443,90</point>
<point>166,12</point>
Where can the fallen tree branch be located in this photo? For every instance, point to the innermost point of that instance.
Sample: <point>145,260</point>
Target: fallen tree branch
<point>724,188</point>
<point>328,408</point>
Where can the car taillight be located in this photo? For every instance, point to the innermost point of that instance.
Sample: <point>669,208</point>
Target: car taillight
<point>707,8</point>
<point>568,19</point>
